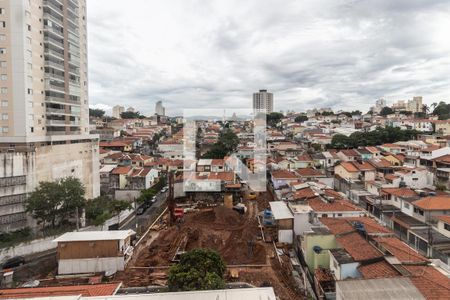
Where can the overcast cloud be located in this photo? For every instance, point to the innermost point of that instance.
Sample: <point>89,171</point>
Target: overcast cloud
<point>317,53</point>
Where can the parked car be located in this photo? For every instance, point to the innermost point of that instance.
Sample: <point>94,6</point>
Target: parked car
<point>164,189</point>
<point>153,199</point>
<point>140,211</point>
<point>13,262</point>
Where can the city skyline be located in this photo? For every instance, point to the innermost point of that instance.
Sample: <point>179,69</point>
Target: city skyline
<point>348,56</point>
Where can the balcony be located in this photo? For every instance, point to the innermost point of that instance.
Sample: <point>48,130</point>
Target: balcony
<point>53,30</point>
<point>58,66</point>
<point>54,42</point>
<point>54,6</point>
<point>50,86</point>
<point>54,76</point>
<point>56,19</point>
<point>54,53</point>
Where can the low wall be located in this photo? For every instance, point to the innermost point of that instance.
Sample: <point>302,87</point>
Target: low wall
<point>28,248</point>
<point>90,265</point>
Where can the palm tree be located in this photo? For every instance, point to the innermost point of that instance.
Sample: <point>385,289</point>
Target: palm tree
<point>426,109</point>
<point>433,105</point>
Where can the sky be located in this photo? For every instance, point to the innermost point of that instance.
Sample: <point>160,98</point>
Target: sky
<point>310,54</point>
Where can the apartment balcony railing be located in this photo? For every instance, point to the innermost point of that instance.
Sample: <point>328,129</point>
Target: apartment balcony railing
<point>56,54</point>
<point>54,31</point>
<point>57,20</point>
<point>54,76</point>
<point>49,86</point>
<point>59,66</point>
<point>55,42</point>
<point>57,8</point>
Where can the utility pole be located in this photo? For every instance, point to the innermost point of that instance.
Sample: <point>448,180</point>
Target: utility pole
<point>78,218</point>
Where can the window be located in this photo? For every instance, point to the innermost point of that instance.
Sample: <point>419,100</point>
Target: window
<point>4,103</point>
<point>2,50</point>
<point>32,129</point>
<point>3,77</point>
<point>2,11</point>
<point>29,27</point>
<point>5,129</point>
<point>30,91</point>
<point>2,24</point>
<point>4,90</point>
<point>2,37</point>
<point>4,116</point>
<point>406,205</point>
<point>3,64</point>
<point>447,227</point>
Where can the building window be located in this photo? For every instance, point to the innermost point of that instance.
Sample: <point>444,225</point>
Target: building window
<point>4,129</point>
<point>2,37</point>
<point>3,77</point>
<point>4,90</point>
<point>4,116</point>
<point>30,91</point>
<point>4,103</point>
<point>406,205</point>
<point>3,64</point>
<point>447,227</point>
<point>2,11</point>
<point>2,50</point>
<point>2,24</point>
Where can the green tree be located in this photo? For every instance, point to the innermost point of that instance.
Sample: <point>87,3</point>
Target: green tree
<point>198,269</point>
<point>72,194</point>
<point>227,143</point>
<point>44,203</point>
<point>95,112</point>
<point>274,118</point>
<point>131,115</point>
<point>97,210</point>
<point>301,118</point>
<point>386,111</point>
<point>442,110</point>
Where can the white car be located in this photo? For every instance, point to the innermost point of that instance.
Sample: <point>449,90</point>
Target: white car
<point>164,189</point>
<point>153,199</point>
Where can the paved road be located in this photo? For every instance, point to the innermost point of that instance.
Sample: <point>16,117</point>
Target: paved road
<point>150,213</point>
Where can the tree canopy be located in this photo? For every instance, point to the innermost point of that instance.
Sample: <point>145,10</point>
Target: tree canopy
<point>442,110</point>
<point>53,202</point>
<point>274,118</point>
<point>301,118</point>
<point>102,208</point>
<point>386,111</point>
<point>95,112</point>
<point>376,137</point>
<point>198,269</point>
<point>227,143</point>
<point>131,115</point>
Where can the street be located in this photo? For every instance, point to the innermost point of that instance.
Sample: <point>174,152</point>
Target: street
<point>149,214</point>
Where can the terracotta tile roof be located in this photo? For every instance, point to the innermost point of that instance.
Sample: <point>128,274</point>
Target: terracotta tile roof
<point>349,167</point>
<point>433,203</point>
<point>399,249</point>
<point>403,192</point>
<point>430,282</point>
<point>444,218</point>
<point>283,174</point>
<point>304,157</point>
<point>115,144</point>
<point>444,158</point>
<point>359,248</point>
<point>380,269</point>
<point>380,163</point>
<point>140,172</point>
<point>364,166</point>
<point>304,194</point>
<point>121,170</point>
<point>349,152</point>
<point>342,225</point>
<point>319,205</point>
<point>224,176</point>
<point>391,177</point>
<point>373,149</point>
<point>309,172</point>
<point>390,146</point>
<point>106,289</point>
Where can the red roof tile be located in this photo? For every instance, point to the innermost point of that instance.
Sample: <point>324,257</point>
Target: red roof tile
<point>358,247</point>
<point>319,205</point>
<point>399,249</point>
<point>400,192</point>
<point>380,269</point>
<point>430,282</point>
<point>107,289</point>
<point>433,203</point>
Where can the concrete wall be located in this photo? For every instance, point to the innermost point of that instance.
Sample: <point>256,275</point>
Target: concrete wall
<point>28,248</point>
<point>90,265</point>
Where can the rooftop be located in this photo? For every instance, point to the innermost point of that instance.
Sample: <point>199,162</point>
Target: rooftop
<point>94,236</point>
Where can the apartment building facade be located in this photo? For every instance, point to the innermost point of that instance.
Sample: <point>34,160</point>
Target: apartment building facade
<point>262,102</point>
<point>44,112</point>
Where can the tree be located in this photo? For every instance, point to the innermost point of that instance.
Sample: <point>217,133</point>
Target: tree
<point>44,202</point>
<point>274,118</point>
<point>442,110</point>
<point>131,115</point>
<point>95,112</point>
<point>227,143</point>
<point>102,208</point>
<point>72,194</point>
<point>386,111</point>
<point>198,269</point>
<point>58,200</point>
<point>117,206</point>
<point>301,119</point>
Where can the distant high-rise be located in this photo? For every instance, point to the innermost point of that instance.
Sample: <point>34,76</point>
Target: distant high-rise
<point>160,110</point>
<point>262,102</point>
<point>117,111</point>
<point>130,109</point>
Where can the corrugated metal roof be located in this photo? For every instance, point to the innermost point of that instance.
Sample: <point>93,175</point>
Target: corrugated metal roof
<point>280,210</point>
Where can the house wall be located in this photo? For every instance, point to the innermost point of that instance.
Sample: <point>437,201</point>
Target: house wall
<point>88,249</point>
<point>314,260</point>
<point>301,223</point>
<point>441,229</point>
<point>90,265</point>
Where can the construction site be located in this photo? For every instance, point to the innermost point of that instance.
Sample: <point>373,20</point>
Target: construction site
<point>250,253</point>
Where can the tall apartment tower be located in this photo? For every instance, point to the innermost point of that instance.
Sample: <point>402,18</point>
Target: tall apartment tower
<point>160,110</point>
<point>262,102</point>
<point>117,111</point>
<point>44,109</point>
